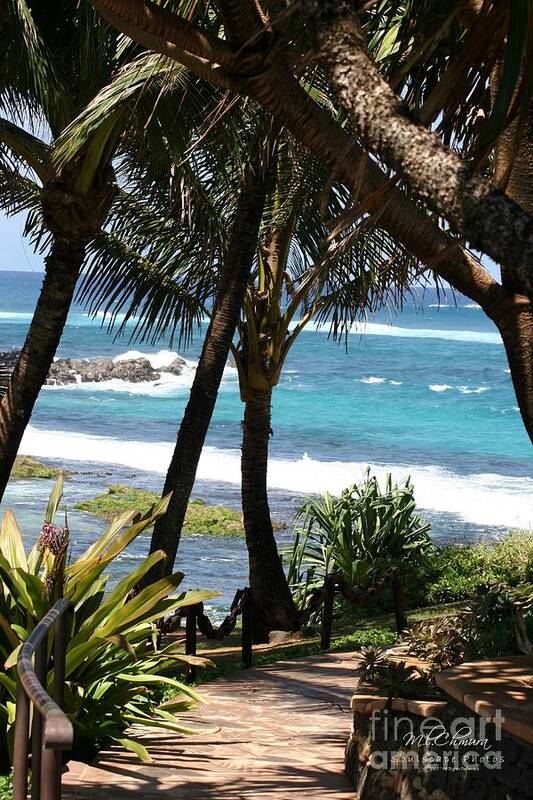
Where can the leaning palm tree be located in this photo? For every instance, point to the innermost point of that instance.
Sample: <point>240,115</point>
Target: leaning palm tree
<point>437,199</point>
<point>54,62</point>
<point>167,279</point>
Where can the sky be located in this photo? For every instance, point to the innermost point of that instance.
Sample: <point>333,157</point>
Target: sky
<point>16,252</point>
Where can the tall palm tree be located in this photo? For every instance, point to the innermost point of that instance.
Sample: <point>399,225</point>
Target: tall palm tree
<point>57,63</point>
<point>298,277</point>
<point>167,280</point>
<point>261,54</point>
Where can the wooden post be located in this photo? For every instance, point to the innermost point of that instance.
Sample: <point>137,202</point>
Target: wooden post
<point>399,603</point>
<point>246,638</point>
<point>20,749</point>
<point>52,760</point>
<point>327,612</point>
<point>190,641</point>
<point>41,665</point>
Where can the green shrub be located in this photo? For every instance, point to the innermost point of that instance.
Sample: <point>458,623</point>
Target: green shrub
<point>114,667</point>
<point>371,637</point>
<point>498,622</point>
<point>455,572</point>
<point>442,642</point>
<point>360,534</point>
<point>458,573</point>
<point>511,559</point>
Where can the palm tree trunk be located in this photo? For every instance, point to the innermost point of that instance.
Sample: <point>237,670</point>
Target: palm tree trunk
<point>63,266</point>
<point>271,595</point>
<point>193,429</point>
<point>514,318</point>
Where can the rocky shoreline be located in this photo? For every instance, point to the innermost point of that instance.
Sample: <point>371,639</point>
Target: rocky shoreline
<point>66,371</point>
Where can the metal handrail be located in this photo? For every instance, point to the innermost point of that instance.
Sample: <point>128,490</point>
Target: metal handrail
<point>51,729</point>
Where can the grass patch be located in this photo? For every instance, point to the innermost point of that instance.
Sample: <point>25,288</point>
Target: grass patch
<point>201,518</point>
<point>26,467</point>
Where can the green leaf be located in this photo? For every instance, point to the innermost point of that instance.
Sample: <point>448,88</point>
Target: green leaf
<point>8,631</point>
<point>120,641</point>
<point>162,679</point>
<point>11,544</point>
<point>11,661</point>
<point>135,747</point>
<point>519,12</point>
<point>54,500</point>
<point>118,595</point>
<point>159,723</point>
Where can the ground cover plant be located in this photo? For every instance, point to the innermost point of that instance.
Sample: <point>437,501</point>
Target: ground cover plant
<point>115,670</point>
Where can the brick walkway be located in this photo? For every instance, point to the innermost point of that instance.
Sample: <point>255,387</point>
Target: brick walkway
<point>271,732</point>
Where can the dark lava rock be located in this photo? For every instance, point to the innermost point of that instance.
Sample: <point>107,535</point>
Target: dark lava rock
<point>95,370</point>
<point>176,367</point>
<point>66,371</point>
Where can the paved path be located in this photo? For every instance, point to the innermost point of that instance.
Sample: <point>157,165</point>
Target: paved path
<point>274,732</point>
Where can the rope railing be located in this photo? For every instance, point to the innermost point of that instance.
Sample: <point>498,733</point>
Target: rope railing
<point>243,605</point>
<point>51,730</point>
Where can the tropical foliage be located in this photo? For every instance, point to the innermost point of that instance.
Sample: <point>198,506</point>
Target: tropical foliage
<point>497,622</point>
<point>114,666</point>
<point>360,534</point>
<point>454,572</point>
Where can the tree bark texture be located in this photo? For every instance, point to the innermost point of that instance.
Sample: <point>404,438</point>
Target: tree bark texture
<point>492,222</point>
<point>273,605</point>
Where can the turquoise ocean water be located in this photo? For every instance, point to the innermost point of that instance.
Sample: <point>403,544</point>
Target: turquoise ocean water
<point>425,393</point>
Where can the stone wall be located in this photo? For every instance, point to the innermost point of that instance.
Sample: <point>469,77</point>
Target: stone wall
<point>395,753</point>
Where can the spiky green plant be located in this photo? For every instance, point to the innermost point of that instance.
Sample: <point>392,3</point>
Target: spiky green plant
<point>360,534</point>
<point>114,666</point>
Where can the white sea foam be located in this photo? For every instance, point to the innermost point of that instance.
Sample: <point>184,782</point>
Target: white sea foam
<point>473,390</point>
<point>485,499</point>
<point>472,305</point>
<point>378,380</point>
<point>166,384</point>
<point>440,305</point>
<point>15,316</point>
<point>381,329</point>
<point>445,387</point>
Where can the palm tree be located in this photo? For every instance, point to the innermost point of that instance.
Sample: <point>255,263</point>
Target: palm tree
<point>168,280</point>
<point>266,47</point>
<point>57,62</point>
<point>237,261</point>
<point>298,277</point>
